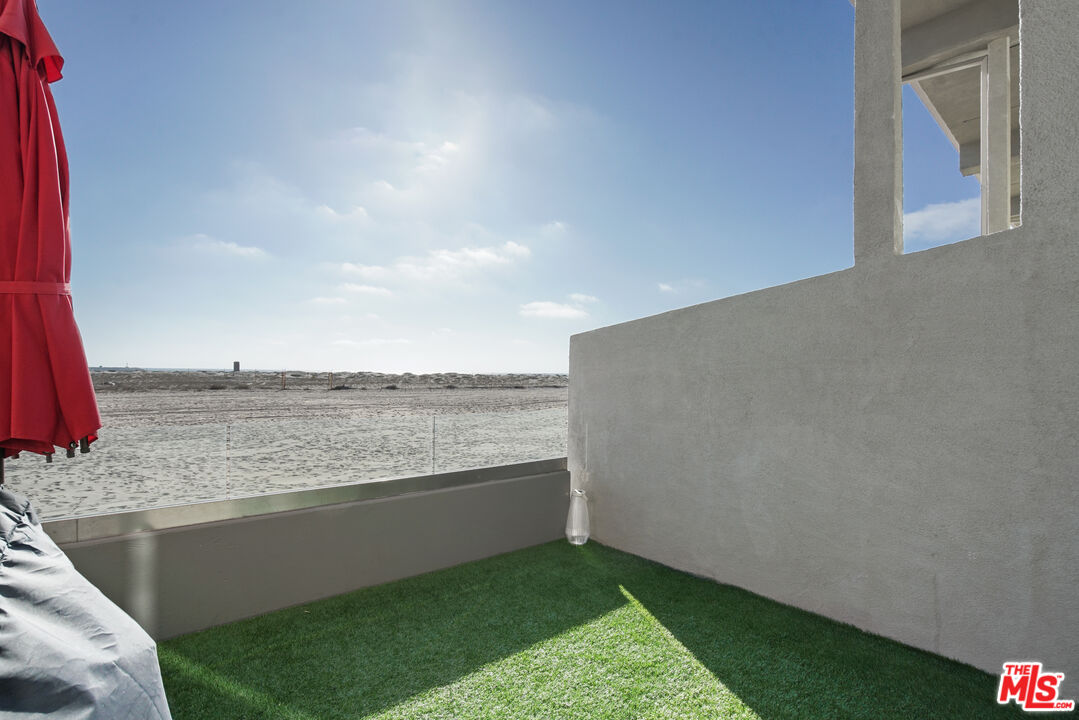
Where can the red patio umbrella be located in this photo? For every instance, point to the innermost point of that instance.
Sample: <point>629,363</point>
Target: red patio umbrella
<point>46,395</point>
<point>65,649</point>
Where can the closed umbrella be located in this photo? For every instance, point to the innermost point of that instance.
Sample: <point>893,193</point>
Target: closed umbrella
<point>66,651</point>
<point>46,395</point>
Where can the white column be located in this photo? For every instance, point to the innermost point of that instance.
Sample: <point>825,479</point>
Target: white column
<point>996,137</point>
<point>878,131</point>
<point>1050,85</point>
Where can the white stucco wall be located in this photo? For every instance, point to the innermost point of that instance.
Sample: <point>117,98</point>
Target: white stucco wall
<point>895,445</point>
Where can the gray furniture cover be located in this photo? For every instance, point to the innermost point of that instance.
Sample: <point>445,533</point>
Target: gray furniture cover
<point>66,651</point>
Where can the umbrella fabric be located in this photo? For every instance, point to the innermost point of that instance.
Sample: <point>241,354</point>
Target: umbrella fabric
<point>46,394</point>
<point>66,651</point>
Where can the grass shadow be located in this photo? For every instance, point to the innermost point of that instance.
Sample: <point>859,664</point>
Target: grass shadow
<point>557,631</point>
<point>356,654</point>
<point>788,663</point>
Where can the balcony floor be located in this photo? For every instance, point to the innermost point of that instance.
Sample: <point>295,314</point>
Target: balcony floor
<point>557,631</point>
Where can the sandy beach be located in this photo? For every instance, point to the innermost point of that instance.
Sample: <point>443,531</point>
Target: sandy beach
<point>173,437</point>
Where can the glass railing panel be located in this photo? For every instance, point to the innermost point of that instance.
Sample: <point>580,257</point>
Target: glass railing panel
<point>141,468</point>
<point>276,455</point>
<point>482,440</point>
<point>127,469</point>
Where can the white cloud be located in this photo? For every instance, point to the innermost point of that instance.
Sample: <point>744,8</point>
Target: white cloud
<point>941,222</point>
<point>581,298</point>
<point>402,177</point>
<point>432,160</point>
<point>441,265</point>
<point>367,272</point>
<point>417,155</point>
<point>547,309</point>
<point>372,342</point>
<point>257,197</point>
<point>206,244</point>
<point>434,156</point>
<point>257,206</point>
<point>664,287</point>
<point>356,214</point>
<point>366,289</point>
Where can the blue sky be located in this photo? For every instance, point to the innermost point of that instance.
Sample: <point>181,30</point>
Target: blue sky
<point>453,186</point>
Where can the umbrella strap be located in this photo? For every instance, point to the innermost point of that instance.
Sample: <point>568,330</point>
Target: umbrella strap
<point>23,287</point>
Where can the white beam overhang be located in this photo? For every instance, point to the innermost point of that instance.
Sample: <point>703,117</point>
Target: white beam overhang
<point>966,28</point>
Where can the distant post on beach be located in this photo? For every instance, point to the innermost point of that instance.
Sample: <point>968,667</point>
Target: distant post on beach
<point>331,380</point>
<point>282,379</point>
<point>236,366</point>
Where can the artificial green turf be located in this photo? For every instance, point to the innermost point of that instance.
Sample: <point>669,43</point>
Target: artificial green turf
<point>558,631</point>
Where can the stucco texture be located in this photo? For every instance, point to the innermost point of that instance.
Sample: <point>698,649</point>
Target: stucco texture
<point>895,445</point>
